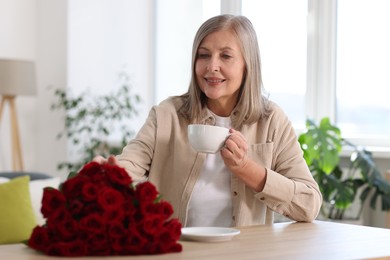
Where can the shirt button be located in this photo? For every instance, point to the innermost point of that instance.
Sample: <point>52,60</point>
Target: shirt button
<point>262,198</point>
<point>235,193</point>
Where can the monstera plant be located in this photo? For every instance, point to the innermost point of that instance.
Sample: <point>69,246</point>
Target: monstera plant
<point>341,185</point>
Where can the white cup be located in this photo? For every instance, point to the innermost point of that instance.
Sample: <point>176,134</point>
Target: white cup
<point>207,138</point>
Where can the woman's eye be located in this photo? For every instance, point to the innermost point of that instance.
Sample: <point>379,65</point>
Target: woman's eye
<point>203,55</point>
<point>226,56</point>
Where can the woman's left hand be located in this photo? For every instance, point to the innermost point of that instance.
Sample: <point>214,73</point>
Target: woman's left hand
<point>235,151</point>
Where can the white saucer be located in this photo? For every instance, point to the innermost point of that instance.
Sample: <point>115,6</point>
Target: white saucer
<point>209,234</point>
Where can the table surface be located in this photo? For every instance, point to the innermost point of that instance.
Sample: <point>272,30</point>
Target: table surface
<point>317,240</point>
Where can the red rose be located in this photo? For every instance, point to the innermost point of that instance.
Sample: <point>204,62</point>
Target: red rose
<point>63,225</point>
<point>135,242</point>
<point>110,199</point>
<point>76,248</point>
<point>101,251</point>
<point>89,191</point>
<point>96,172</point>
<point>146,191</point>
<point>117,245</point>
<point>76,207</point>
<point>118,176</point>
<point>92,170</point>
<point>73,248</point>
<point>57,249</point>
<point>93,223</point>
<point>150,224</point>
<point>98,243</point>
<point>164,209</point>
<point>129,207</point>
<point>116,230</point>
<point>73,187</point>
<point>90,208</point>
<point>98,212</point>
<point>114,214</point>
<point>148,208</point>
<point>174,227</point>
<point>39,239</point>
<point>52,200</point>
<point>153,248</point>
<point>171,247</point>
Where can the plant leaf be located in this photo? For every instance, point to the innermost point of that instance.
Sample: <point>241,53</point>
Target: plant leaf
<point>321,144</point>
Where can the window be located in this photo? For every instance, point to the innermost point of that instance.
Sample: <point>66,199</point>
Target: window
<point>363,63</point>
<point>282,33</point>
<point>319,57</point>
<point>347,55</point>
<point>176,24</point>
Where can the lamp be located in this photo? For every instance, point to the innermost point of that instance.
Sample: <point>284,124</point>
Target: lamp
<point>17,77</point>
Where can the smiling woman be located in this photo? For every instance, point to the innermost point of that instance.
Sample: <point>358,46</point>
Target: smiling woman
<point>260,163</point>
<point>220,68</point>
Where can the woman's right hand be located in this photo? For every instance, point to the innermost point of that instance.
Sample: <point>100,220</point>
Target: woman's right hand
<point>110,160</point>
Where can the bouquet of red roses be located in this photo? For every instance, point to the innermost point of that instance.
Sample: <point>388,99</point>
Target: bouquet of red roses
<point>100,212</point>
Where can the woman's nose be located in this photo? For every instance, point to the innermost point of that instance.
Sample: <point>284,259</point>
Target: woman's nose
<point>214,64</point>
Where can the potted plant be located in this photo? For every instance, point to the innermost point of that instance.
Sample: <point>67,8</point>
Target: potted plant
<point>91,121</point>
<point>340,186</point>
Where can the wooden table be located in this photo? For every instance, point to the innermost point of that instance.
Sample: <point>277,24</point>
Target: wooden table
<point>317,240</point>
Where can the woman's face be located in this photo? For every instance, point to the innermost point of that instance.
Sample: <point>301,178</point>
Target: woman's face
<point>219,69</point>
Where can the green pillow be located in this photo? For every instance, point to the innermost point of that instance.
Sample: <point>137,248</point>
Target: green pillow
<point>17,218</point>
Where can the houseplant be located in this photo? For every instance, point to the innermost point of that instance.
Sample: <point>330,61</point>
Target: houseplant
<point>340,186</point>
<point>91,121</point>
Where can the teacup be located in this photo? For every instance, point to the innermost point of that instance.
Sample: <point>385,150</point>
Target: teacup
<point>207,138</point>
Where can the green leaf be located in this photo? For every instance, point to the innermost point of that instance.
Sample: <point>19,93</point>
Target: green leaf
<point>321,144</point>
<point>71,175</point>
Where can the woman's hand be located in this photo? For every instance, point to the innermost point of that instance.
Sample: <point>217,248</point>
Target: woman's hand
<point>235,151</point>
<point>235,156</point>
<point>110,160</point>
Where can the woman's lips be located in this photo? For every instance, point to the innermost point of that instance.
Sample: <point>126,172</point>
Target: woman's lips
<point>213,81</point>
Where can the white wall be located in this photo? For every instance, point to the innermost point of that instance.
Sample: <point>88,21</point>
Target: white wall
<point>176,24</point>
<point>52,71</point>
<point>36,30</point>
<point>76,45</point>
<point>173,54</point>
<point>83,44</point>
<point>105,39</point>
<point>18,37</point>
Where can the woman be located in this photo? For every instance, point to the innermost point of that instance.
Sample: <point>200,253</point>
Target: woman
<point>259,170</point>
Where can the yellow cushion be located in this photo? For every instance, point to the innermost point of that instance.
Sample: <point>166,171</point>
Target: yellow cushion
<point>17,218</point>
